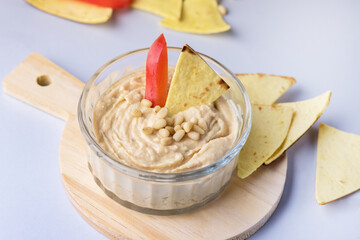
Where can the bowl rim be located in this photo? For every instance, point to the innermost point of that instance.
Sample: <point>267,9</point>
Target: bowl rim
<point>156,176</point>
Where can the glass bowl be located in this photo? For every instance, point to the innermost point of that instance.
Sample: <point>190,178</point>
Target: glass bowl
<point>150,192</point>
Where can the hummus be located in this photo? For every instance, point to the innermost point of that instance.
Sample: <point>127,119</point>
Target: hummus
<point>120,132</point>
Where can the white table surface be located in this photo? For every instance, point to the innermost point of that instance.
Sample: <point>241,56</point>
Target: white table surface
<point>315,41</point>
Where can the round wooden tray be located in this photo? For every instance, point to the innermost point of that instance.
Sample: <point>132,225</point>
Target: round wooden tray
<point>237,213</point>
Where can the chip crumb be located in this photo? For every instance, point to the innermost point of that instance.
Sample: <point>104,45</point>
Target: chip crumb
<point>222,10</point>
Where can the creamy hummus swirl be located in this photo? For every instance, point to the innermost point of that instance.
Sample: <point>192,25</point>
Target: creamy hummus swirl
<point>120,133</point>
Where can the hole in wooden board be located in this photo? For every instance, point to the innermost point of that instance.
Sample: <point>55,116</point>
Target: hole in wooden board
<point>43,80</point>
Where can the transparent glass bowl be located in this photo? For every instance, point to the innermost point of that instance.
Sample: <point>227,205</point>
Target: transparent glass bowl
<point>149,192</point>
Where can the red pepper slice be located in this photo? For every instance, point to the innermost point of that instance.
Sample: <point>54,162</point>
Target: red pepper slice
<point>157,73</point>
<point>109,3</point>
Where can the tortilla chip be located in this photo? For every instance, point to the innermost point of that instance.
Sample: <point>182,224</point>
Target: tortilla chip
<point>269,129</point>
<point>265,88</point>
<point>168,9</point>
<point>306,114</point>
<point>338,164</point>
<point>194,83</point>
<point>198,16</point>
<point>74,10</point>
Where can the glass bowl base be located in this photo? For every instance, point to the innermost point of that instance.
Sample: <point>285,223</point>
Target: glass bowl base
<point>159,212</point>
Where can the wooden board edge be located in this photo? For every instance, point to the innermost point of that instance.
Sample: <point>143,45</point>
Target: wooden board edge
<point>251,231</point>
<point>85,215</point>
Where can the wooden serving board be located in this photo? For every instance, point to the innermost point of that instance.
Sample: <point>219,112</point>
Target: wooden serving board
<point>237,213</point>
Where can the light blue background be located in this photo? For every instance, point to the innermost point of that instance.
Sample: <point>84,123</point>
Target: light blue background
<point>315,41</point>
